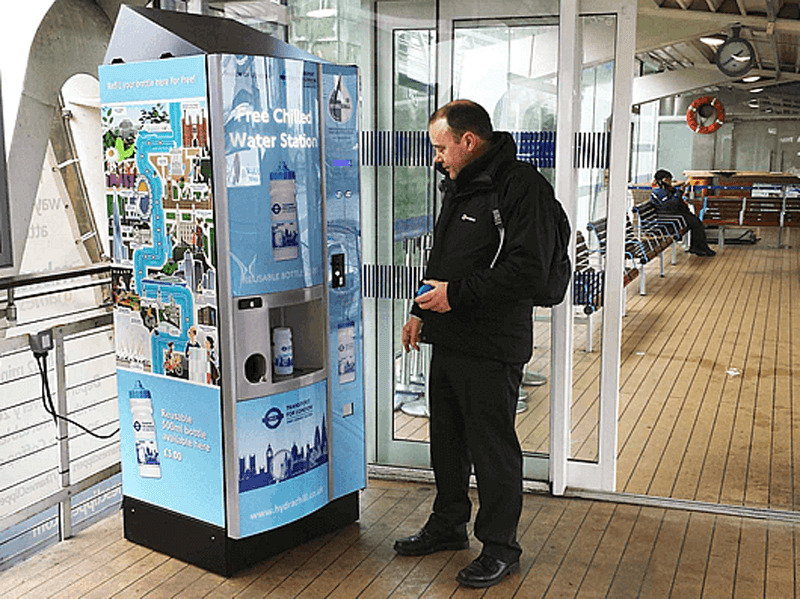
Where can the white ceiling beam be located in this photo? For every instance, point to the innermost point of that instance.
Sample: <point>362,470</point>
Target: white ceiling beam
<point>655,30</point>
<point>718,20</point>
<point>663,85</point>
<point>698,52</point>
<point>768,79</point>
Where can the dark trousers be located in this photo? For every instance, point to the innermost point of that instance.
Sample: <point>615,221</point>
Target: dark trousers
<point>472,410</point>
<point>699,243</point>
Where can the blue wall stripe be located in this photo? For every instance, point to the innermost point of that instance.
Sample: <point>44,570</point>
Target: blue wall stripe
<point>412,148</point>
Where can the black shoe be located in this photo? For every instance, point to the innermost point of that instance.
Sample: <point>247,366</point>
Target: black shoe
<point>710,252</point>
<point>486,571</point>
<point>425,542</point>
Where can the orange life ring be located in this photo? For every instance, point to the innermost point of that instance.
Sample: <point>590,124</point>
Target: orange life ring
<point>694,107</point>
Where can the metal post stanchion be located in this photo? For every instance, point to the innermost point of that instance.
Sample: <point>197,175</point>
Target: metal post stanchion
<point>529,379</point>
<point>406,388</point>
<point>421,359</point>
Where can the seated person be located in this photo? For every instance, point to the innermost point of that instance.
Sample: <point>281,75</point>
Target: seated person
<point>667,197</point>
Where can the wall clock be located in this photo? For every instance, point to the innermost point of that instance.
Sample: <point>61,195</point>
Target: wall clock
<point>735,57</point>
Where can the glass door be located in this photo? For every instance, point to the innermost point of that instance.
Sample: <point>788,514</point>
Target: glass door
<point>509,66</point>
<point>505,56</point>
<point>400,157</point>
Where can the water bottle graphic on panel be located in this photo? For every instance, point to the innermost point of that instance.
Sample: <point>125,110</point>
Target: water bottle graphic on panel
<point>283,193</point>
<point>144,432</point>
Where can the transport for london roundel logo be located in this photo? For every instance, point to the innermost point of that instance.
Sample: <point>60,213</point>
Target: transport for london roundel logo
<point>273,418</point>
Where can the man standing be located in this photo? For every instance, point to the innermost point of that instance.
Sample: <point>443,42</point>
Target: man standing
<point>478,317</point>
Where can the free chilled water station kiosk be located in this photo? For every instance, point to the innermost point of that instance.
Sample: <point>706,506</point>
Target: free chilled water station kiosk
<point>232,184</point>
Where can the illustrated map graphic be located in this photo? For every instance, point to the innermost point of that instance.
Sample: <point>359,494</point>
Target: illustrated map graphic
<point>160,218</point>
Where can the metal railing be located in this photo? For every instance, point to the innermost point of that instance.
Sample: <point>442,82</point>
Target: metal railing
<point>55,474</point>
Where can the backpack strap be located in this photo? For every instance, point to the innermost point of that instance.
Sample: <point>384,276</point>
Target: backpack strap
<point>497,218</point>
<point>501,177</point>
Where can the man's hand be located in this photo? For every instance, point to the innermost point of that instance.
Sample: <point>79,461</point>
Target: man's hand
<point>412,332</point>
<point>435,299</point>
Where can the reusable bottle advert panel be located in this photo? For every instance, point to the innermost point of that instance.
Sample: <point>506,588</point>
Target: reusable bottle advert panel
<point>272,165</point>
<point>171,444</point>
<point>283,457</point>
<point>160,217</point>
<point>343,200</point>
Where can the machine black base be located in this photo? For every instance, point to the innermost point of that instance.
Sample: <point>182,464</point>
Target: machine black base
<point>210,548</point>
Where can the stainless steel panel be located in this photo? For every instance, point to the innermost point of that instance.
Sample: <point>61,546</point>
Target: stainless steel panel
<point>224,300</point>
<point>254,318</point>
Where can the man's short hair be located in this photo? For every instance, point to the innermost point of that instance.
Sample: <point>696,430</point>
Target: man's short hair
<point>662,174</point>
<point>462,116</point>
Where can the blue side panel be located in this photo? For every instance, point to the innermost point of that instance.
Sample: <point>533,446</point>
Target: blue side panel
<point>272,156</point>
<point>183,468</point>
<point>283,458</point>
<point>160,219</point>
<point>346,336</point>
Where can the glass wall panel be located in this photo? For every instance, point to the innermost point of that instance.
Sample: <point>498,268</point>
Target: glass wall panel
<point>644,139</point>
<point>413,100</point>
<point>592,163</point>
<point>675,142</point>
<point>509,66</point>
<point>331,29</point>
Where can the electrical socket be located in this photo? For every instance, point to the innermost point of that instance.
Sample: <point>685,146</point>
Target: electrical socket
<point>42,342</point>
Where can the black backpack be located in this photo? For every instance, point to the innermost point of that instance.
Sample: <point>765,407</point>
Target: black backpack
<point>553,292</point>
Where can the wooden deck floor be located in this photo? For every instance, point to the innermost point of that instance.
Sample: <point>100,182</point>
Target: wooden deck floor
<point>571,548</point>
<point>709,404</point>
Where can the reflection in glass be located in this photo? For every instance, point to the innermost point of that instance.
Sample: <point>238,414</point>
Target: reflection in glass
<point>510,68</point>
<point>412,180</point>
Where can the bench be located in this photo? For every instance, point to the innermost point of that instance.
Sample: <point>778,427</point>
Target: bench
<point>720,212</point>
<point>770,212</point>
<point>587,286</point>
<point>762,212</point>
<point>791,212</point>
<point>739,209</point>
<point>587,282</point>
<point>640,249</point>
<point>723,212</point>
<point>650,223</point>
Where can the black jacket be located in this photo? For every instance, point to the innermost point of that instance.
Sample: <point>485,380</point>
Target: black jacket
<point>492,311</point>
